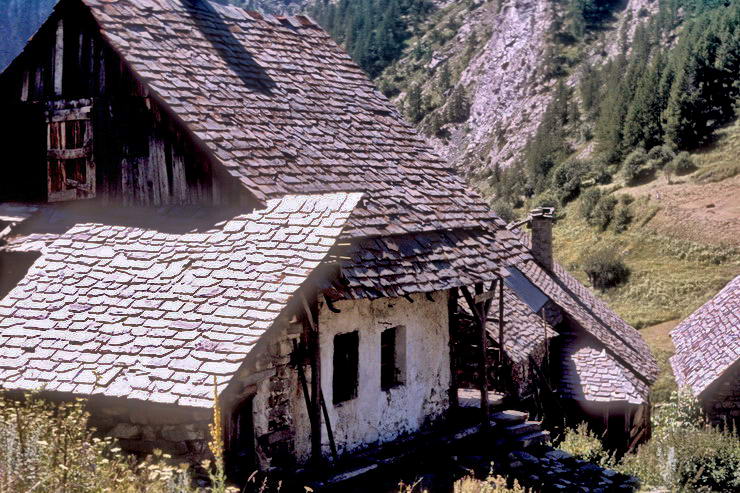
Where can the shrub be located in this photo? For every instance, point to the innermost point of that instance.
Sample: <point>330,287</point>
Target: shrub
<point>47,447</point>
<point>603,213</point>
<point>604,268</point>
<point>492,484</point>
<point>681,412</point>
<point>589,200</point>
<point>684,454</point>
<point>504,210</point>
<point>636,166</point>
<point>622,214</point>
<point>659,156</point>
<point>622,218</point>
<point>583,444</point>
<point>682,164</point>
<point>545,199</point>
<point>565,180</point>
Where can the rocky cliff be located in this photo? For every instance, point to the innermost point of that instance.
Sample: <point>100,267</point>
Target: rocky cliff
<point>501,53</point>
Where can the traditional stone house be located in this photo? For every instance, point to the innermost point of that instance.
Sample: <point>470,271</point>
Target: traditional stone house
<point>707,359</point>
<point>187,210</point>
<point>597,366</point>
<point>200,194</point>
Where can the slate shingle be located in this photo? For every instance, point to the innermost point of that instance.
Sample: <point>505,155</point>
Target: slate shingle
<point>286,110</point>
<point>708,341</point>
<point>122,337</point>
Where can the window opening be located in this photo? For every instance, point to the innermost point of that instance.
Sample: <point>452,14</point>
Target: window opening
<point>346,363</point>
<point>392,357</point>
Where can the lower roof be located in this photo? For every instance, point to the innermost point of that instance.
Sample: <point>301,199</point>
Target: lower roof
<point>590,373</point>
<point>708,341</point>
<point>131,311</point>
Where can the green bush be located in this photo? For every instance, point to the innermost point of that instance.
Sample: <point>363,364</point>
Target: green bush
<point>545,199</point>
<point>622,218</point>
<point>636,166</point>
<point>492,484</point>
<point>622,214</point>
<point>583,444</point>
<point>589,200</point>
<point>504,210</point>
<point>604,268</point>
<point>682,164</point>
<point>46,447</point>
<point>603,213</point>
<point>565,180</point>
<point>660,156</point>
<point>684,454</point>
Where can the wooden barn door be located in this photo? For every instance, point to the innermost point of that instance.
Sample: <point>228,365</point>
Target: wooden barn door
<point>70,165</point>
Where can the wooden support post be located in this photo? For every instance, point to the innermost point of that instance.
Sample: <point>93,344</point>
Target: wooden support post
<point>502,354</point>
<point>480,319</point>
<point>329,432</point>
<point>454,332</point>
<point>315,355</point>
<point>59,58</point>
<point>299,357</point>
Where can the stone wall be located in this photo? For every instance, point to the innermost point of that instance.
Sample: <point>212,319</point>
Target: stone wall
<point>271,381</point>
<point>144,427</point>
<point>377,415</point>
<point>722,402</point>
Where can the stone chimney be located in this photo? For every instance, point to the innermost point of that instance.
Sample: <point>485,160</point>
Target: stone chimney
<point>541,221</point>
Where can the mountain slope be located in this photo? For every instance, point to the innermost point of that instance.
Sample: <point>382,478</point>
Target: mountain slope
<point>503,56</point>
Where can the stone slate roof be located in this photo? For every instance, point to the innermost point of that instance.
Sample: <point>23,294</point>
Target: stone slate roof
<point>589,372</point>
<point>399,265</point>
<point>708,341</point>
<point>524,330</point>
<point>595,318</point>
<point>132,312</point>
<point>285,110</point>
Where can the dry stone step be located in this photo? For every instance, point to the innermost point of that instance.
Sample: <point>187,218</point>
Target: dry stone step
<point>523,428</point>
<point>510,417</point>
<point>537,438</point>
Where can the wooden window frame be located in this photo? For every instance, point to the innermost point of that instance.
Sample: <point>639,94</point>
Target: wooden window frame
<point>346,366</point>
<point>392,357</point>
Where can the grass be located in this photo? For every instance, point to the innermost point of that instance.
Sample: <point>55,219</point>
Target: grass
<point>719,160</point>
<point>669,278</point>
<point>659,340</point>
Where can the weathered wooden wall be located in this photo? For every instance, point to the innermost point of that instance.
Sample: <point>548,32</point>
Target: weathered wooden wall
<point>140,155</point>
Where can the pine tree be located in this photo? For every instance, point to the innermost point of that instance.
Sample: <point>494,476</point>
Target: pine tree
<point>413,104</point>
<point>642,126</point>
<point>458,107</point>
<point>445,78</point>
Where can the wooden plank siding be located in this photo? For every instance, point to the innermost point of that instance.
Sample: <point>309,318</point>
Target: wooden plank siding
<point>140,155</point>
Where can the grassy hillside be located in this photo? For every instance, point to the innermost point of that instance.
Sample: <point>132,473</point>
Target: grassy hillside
<point>679,251</point>
<point>669,277</point>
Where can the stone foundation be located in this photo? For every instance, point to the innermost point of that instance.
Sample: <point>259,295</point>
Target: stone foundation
<point>142,428</point>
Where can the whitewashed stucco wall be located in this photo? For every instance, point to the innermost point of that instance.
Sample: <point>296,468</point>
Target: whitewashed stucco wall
<point>376,415</point>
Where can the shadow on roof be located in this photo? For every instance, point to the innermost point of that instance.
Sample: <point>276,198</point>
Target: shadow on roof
<point>60,217</point>
<point>210,22</point>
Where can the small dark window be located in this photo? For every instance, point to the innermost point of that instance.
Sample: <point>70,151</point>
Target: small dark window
<point>346,362</point>
<point>392,356</point>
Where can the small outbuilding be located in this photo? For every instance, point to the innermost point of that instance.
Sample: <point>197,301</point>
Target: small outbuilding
<point>707,359</point>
